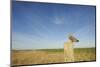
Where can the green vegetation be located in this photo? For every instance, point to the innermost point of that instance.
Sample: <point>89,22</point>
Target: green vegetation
<point>43,56</point>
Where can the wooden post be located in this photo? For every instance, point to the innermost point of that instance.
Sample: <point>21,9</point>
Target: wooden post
<point>69,49</point>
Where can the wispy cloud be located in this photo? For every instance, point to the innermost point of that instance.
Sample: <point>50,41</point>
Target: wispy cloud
<point>37,25</point>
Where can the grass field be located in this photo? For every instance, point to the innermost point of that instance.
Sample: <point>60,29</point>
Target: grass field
<point>44,56</point>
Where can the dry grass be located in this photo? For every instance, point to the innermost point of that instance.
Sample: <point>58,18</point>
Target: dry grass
<point>49,56</point>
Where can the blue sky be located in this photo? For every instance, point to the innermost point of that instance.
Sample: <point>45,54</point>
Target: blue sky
<point>42,26</point>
